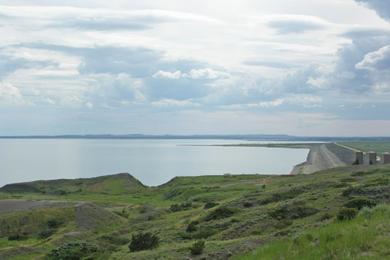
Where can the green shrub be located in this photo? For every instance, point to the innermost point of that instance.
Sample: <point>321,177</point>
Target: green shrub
<point>347,213</point>
<point>72,251</point>
<point>220,213</point>
<point>143,241</point>
<point>292,211</point>
<point>197,247</point>
<point>248,204</point>
<point>210,205</point>
<point>192,227</point>
<point>360,203</point>
<point>54,223</point>
<point>181,207</point>
<point>46,233</point>
<point>204,232</point>
<point>17,237</point>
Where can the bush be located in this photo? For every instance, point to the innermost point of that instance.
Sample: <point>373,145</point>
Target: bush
<point>192,227</point>
<point>360,203</point>
<point>292,211</point>
<point>17,237</point>
<point>72,250</point>
<point>220,213</point>
<point>53,223</point>
<point>180,207</point>
<point>46,233</point>
<point>143,241</point>
<point>248,204</point>
<point>210,205</point>
<point>197,247</point>
<point>347,213</point>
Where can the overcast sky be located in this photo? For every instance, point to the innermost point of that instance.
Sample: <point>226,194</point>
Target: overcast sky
<point>299,67</point>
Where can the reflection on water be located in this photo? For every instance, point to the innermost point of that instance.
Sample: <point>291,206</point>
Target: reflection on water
<point>153,162</point>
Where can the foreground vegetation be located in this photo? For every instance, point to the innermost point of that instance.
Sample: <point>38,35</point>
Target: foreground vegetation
<point>365,237</point>
<point>323,215</point>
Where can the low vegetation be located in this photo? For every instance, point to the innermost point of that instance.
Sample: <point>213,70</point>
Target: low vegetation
<point>363,237</point>
<point>330,214</point>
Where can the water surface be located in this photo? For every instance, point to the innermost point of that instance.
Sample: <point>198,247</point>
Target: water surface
<point>153,162</point>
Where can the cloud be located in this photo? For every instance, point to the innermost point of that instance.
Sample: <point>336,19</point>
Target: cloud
<point>268,104</point>
<point>361,66</point>
<point>382,7</point>
<point>271,64</point>
<point>295,23</point>
<point>206,73</point>
<point>10,94</point>
<point>376,60</point>
<point>108,90</point>
<point>196,74</point>
<point>96,19</point>
<point>174,103</point>
<point>167,75</point>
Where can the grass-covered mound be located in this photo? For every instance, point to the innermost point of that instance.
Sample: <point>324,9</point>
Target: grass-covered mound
<point>112,184</point>
<point>364,237</point>
<point>231,214</point>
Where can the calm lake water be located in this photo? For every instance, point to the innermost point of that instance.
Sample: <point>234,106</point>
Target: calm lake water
<point>153,162</point>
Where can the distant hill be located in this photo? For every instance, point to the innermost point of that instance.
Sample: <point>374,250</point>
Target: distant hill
<point>111,184</point>
<point>254,137</point>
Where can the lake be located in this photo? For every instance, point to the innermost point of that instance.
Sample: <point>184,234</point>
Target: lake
<point>153,162</point>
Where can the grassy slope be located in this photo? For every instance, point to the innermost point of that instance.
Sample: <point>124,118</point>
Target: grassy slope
<point>365,237</point>
<point>262,209</point>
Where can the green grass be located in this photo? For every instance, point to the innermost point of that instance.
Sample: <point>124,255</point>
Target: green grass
<point>265,211</point>
<point>366,237</point>
<point>379,147</point>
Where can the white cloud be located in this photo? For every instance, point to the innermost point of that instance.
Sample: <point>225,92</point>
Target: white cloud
<point>205,73</point>
<point>167,75</point>
<point>376,60</point>
<point>289,23</point>
<point>268,104</point>
<point>174,103</point>
<point>10,94</point>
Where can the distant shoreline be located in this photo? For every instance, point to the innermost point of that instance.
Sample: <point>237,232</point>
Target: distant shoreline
<point>253,137</point>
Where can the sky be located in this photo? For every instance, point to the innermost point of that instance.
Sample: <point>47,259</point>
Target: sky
<point>299,67</point>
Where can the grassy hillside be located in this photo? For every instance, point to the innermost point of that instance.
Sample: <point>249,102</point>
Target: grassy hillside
<point>234,215</point>
<point>115,184</point>
<point>365,237</point>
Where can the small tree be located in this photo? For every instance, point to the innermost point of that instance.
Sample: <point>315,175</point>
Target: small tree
<point>197,247</point>
<point>143,241</point>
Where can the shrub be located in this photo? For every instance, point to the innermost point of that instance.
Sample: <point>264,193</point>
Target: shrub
<point>220,213</point>
<point>204,232</point>
<point>17,237</point>
<point>72,250</point>
<point>197,247</point>
<point>192,227</point>
<point>248,204</point>
<point>53,223</point>
<point>292,211</point>
<point>360,203</point>
<point>180,207</point>
<point>210,205</point>
<point>347,213</point>
<point>46,233</point>
<point>143,241</point>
